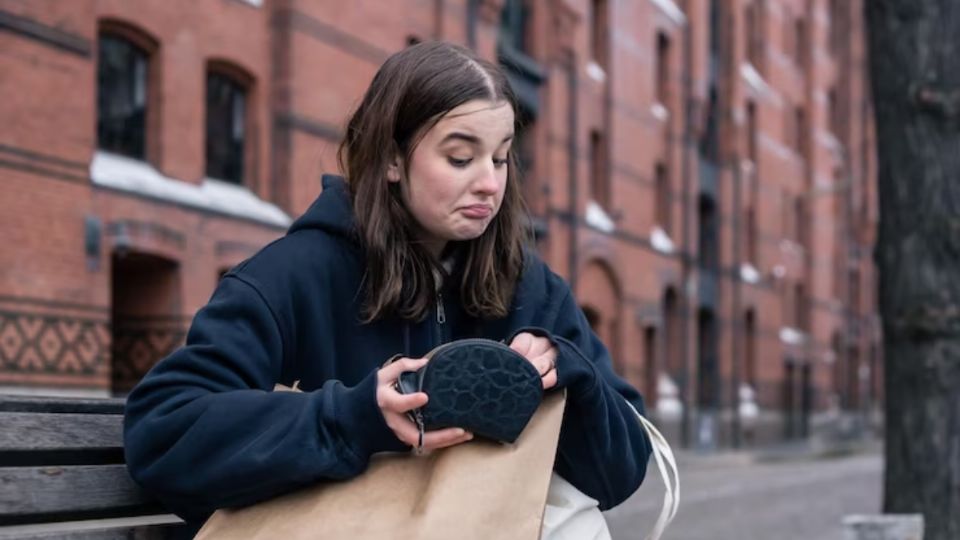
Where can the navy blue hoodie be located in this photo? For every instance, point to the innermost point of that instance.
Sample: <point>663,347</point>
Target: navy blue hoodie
<point>203,430</point>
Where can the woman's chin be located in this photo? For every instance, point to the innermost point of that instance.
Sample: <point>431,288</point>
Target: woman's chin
<point>467,233</point>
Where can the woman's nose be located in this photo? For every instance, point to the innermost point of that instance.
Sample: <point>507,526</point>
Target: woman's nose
<point>487,181</point>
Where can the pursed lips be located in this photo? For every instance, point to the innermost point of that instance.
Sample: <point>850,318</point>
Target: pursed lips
<point>477,211</point>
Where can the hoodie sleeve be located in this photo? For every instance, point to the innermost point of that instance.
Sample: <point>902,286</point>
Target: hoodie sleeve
<point>203,430</point>
<point>603,450</point>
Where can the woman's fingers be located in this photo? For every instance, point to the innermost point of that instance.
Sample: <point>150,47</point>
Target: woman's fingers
<point>550,379</point>
<point>403,428</point>
<point>389,399</point>
<point>409,434</point>
<point>443,438</point>
<point>391,372</point>
<point>538,350</point>
<point>393,405</point>
<point>521,343</point>
<point>545,362</point>
<point>539,346</point>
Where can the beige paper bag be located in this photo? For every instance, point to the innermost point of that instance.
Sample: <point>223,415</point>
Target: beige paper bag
<point>472,491</point>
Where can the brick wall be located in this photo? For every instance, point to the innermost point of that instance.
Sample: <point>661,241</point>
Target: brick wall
<point>622,163</point>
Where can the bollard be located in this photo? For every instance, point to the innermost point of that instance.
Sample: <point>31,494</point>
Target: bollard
<point>883,527</point>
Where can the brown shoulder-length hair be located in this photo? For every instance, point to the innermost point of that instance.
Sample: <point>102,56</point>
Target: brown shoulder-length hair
<point>410,93</point>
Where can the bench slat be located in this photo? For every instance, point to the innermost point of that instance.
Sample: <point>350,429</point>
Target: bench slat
<point>59,431</point>
<point>81,488</point>
<point>54,404</point>
<point>156,527</point>
<point>60,461</point>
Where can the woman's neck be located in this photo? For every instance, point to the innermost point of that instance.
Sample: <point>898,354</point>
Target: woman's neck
<point>437,248</point>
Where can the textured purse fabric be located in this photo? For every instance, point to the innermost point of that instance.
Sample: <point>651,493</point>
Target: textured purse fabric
<point>479,385</point>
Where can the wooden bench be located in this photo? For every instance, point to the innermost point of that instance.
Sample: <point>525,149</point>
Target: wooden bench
<point>62,473</point>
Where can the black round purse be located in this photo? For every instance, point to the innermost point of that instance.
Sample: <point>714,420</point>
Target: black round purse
<point>480,385</point>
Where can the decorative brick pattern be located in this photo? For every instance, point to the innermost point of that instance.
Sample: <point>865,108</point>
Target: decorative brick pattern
<point>139,343</point>
<point>36,341</point>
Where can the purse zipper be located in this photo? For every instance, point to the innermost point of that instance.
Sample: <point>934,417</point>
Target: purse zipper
<point>461,342</point>
<point>440,348</point>
<point>418,419</point>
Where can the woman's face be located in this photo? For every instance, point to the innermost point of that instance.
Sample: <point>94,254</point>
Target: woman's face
<point>458,173</point>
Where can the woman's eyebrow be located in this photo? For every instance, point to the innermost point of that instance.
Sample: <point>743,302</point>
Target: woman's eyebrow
<point>472,139</point>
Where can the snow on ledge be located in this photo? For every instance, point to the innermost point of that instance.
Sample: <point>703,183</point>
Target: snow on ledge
<point>135,176</point>
<point>748,404</point>
<point>661,241</point>
<point>792,336</point>
<point>756,80</point>
<point>749,273</point>
<point>597,218</point>
<point>596,72</point>
<point>659,111</point>
<point>669,405</point>
<point>670,8</point>
<point>233,199</point>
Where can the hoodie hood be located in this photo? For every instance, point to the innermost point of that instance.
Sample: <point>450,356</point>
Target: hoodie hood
<point>331,212</point>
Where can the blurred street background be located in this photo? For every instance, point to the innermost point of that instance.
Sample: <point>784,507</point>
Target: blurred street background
<point>788,494</point>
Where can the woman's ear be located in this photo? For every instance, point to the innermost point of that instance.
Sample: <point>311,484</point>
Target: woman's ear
<point>393,171</point>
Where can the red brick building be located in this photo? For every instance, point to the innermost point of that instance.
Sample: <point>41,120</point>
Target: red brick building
<point>701,171</point>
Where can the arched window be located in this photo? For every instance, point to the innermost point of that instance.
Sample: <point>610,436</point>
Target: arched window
<point>226,122</point>
<point>750,348</point>
<point>599,32</point>
<point>673,360</point>
<point>651,370</point>
<point>593,318</point>
<point>124,88</point>
<point>515,25</point>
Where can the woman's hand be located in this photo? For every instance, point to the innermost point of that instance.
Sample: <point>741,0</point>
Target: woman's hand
<point>395,405</point>
<point>541,353</point>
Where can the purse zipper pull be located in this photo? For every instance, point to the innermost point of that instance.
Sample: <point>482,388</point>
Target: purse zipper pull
<point>418,417</point>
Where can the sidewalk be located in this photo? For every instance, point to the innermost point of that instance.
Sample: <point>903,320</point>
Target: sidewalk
<point>800,450</point>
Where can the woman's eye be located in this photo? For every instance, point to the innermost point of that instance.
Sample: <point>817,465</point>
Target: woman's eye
<point>499,162</point>
<point>459,163</point>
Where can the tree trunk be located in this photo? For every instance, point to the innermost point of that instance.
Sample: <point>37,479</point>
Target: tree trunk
<point>915,77</point>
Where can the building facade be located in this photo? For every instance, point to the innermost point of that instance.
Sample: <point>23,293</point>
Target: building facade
<point>701,171</point>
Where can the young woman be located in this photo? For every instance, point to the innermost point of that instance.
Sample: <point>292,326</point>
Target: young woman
<point>422,243</point>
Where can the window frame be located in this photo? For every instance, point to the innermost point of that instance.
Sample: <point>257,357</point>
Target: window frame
<point>662,73</point>
<point>242,80</point>
<point>600,33</point>
<point>149,47</point>
<point>663,197</point>
<point>600,189</point>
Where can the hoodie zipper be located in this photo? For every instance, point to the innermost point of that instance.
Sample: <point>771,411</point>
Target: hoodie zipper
<point>441,318</point>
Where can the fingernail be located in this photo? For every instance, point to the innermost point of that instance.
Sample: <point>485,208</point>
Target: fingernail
<point>460,432</point>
